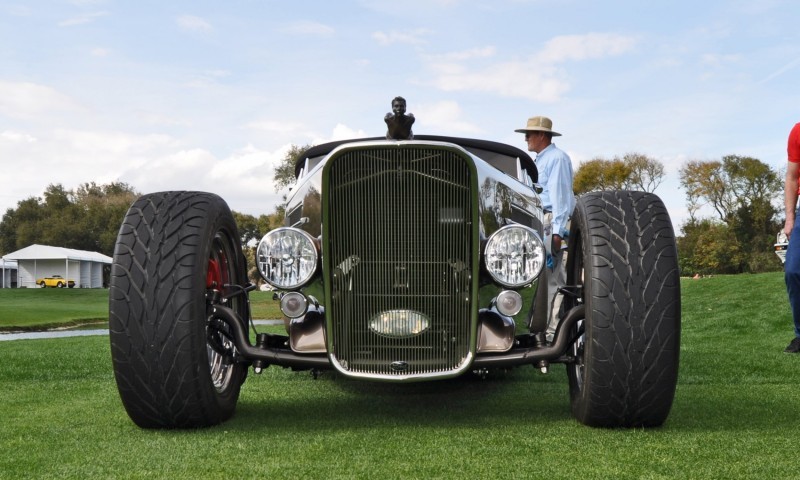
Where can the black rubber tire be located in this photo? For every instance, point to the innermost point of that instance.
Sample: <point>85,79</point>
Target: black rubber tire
<point>59,285</point>
<point>158,310</point>
<point>622,249</point>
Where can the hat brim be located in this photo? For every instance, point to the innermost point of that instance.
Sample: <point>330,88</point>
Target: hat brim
<point>526,130</point>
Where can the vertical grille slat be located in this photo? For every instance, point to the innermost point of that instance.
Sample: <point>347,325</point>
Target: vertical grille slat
<point>399,238</point>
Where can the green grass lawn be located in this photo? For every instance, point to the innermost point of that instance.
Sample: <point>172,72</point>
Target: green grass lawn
<point>42,308</point>
<point>734,416</point>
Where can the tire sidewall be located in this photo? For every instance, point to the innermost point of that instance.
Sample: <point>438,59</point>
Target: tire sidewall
<point>579,238</point>
<point>632,309</point>
<point>158,309</point>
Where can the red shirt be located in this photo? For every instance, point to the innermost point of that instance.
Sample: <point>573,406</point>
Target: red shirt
<point>793,149</point>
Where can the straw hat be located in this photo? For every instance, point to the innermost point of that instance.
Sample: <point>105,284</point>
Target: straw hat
<point>539,124</point>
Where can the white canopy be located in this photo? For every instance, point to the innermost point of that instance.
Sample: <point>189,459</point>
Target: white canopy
<point>46,252</point>
<point>35,262</point>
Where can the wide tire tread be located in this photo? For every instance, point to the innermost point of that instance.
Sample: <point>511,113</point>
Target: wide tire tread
<point>634,300</point>
<point>159,355</point>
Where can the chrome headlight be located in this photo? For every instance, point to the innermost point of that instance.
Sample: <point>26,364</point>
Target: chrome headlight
<point>514,256</point>
<point>287,258</point>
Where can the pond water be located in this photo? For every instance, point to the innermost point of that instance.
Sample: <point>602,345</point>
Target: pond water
<point>83,332</point>
<point>51,334</point>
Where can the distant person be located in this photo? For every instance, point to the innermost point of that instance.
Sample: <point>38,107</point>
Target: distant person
<point>792,265</point>
<point>558,201</point>
<point>398,123</point>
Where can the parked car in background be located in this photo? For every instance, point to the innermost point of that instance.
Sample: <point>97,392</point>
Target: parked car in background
<point>399,261</point>
<point>56,281</point>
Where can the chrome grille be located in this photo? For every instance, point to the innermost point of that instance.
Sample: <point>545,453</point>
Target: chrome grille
<point>399,238</point>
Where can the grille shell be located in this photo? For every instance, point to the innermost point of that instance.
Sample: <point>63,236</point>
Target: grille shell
<point>400,233</point>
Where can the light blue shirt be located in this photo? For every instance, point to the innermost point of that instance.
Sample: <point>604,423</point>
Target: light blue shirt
<point>555,177</point>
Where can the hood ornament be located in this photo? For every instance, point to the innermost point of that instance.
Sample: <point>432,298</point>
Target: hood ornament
<point>398,122</point>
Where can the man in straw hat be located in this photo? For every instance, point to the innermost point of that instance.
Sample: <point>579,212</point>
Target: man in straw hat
<point>558,201</point>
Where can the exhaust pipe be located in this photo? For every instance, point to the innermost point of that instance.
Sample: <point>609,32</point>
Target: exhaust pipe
<point>533,355</point>
<point>269,355</point>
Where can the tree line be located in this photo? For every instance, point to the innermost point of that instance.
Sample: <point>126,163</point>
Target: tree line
<point>742,192</point>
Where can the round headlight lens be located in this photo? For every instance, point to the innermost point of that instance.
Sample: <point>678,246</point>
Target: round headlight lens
<point>287,258</point>
<point>509,302</point>
<point>514,256</point>
<point>294,304</point>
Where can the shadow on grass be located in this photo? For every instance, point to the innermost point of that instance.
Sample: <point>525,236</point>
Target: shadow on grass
<point>518,396</point>
<point>335,402</point>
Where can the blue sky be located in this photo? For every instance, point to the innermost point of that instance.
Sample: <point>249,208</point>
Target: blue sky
<point>206,95</point>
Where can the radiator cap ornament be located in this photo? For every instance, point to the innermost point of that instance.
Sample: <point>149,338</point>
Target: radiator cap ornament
<point>398,121</point>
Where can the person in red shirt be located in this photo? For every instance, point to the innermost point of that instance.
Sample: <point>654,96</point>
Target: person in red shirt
<point>792,265</point>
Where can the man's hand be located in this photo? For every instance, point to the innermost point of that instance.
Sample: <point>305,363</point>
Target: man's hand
<point>556,247</point>
<point>790,195</point>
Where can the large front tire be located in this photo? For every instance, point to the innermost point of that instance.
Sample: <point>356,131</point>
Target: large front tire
<point>622,251</point>
<point>173,368</point>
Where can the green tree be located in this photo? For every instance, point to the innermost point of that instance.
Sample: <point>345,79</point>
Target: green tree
<point>103,208</point>
<point>284,176</point>
<point>88,218</point>
<point>600,174</point>
<point>284,172</point>
<point>729,184</point>
<point>741,191</point>
<point>248,228</point>
<point>633,171</point>
<point>21,226</point>
<point>709,246</point>
<point>646,173</point>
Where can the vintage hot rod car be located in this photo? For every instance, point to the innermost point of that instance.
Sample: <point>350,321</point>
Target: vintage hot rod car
<point>399,261</point>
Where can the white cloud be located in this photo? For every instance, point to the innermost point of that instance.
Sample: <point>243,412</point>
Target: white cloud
<point>82,19</point>
<point>244,179</point>
<point>25,100</point>
<point>18,10</point>
<point>343,132</point>
<point>86,3</point>
<point>540,77</point>
<point>412,37</point>
<point>10,136</point>
<point>584,47</point>
<point>446,116</point>
<point>191,23</point>
<point>717,60</point>
<point>309,28</point>
<point>100,52</point>
<point>340,132</point>
<point>511,79</point>
<point>98,144</point>
<point>275,126</point>
<point>480,52</point>
<point>161,119</point>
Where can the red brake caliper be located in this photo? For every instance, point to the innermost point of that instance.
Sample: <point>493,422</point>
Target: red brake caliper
<point>214,275</point>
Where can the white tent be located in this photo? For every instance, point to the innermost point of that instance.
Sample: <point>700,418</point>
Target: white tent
<point>8,273</point>
<point>38,261</point>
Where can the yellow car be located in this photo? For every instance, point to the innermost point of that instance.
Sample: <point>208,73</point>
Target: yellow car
<point>55,281</point>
